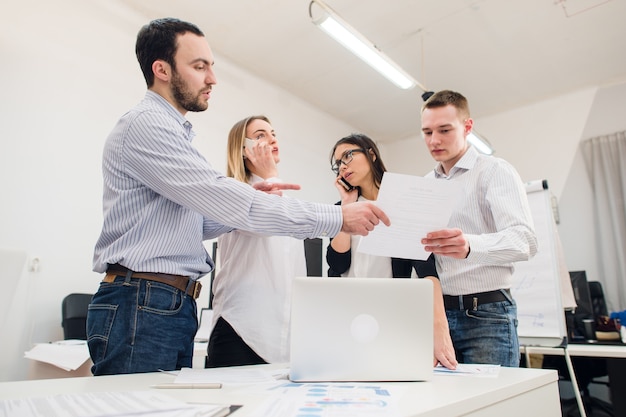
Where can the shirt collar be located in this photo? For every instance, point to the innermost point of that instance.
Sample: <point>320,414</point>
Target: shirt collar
<point>160,101</point>
<point>254,178</point>
<point>467,162</point>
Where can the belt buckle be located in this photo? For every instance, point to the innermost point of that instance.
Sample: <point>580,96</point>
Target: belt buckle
<point>196,289</point>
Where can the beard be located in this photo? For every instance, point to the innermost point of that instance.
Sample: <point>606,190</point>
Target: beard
<point>184,97</point>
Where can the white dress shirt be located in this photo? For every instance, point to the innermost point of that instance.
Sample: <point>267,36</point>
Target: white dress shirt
<point>252,288</point>
<point>364,265</point>
<point>495,217</point>
<point>162,198</point>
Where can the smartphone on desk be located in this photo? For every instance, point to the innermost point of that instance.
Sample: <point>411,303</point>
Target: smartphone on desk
<point>345,184</point>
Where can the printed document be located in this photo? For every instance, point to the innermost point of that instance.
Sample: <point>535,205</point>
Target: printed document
<point>415,206</point>
<point>331,400</point>
<point>108,404</point>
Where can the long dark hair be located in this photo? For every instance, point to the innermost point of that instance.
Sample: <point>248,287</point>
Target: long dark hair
<point>371,152</point>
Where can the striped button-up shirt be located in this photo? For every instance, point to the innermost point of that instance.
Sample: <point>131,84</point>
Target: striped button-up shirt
<point>162,198</point>
<point>495,217</point>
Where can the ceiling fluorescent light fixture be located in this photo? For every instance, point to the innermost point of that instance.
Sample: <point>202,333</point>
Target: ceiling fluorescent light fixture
<point>479,143</point>
<point>351,39</point>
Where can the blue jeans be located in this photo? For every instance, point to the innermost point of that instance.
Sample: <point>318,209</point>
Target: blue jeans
<point>135,325</point>
<point>487,335</point>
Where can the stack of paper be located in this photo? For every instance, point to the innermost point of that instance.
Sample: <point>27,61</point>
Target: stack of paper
<point>109,404</point>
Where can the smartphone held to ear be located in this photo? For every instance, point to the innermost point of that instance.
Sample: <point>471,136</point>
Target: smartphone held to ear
<point>248,142</point>
<point>345,184</point>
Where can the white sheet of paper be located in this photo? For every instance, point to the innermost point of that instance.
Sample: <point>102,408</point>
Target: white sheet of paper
<point>108,404</point>
<point>331,399</point>
<point>470,369</point>
<point>66,354</point>
<point>415,206</point>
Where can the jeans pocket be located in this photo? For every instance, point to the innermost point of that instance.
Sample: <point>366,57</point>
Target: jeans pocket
<point>494,312</point>
<point>99,324</point>
<point>162,299</point>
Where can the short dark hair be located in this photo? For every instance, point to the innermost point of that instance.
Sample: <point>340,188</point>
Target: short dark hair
<point>157,40</point>
<point>447,97</point>
<point>369,147</point>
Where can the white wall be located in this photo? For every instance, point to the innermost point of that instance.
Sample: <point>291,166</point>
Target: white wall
<point>70,72</point>
<point>607,115</point>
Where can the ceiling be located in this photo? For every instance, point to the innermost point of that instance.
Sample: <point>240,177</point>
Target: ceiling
<point>499,54</point>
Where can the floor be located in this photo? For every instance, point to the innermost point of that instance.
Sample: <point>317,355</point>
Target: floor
<point>595,408</point>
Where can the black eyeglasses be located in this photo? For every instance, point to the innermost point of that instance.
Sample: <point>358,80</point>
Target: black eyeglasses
<point>346,158</point>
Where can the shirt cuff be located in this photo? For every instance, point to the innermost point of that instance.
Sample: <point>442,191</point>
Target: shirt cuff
<point>330,220</point>
<point>477,254</point>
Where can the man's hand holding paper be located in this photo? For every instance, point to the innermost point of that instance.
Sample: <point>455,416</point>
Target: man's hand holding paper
<point>416,206</point>
<point>447,242</point>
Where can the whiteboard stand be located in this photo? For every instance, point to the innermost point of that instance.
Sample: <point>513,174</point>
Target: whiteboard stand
<point>538,283</point>
<point>572,375</point>
<point>541,286</point>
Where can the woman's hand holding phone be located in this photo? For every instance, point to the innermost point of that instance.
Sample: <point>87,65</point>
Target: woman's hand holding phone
<point>259,157</point>
<point>349,194</point>
<point>345,184</point>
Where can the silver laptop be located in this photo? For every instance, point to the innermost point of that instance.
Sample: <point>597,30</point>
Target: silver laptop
<point>361,329</point>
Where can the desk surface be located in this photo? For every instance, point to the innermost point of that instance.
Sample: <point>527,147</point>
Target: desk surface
<point>575,349</point>
<point>513,392</point>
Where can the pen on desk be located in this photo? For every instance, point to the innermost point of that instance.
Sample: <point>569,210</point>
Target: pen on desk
<point>200,385</point>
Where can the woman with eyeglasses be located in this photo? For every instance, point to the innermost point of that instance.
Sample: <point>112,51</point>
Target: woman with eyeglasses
<point>356,161</point>
<point>251,303</point>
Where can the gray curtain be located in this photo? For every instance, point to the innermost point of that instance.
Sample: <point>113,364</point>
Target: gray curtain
<point>605,158</point>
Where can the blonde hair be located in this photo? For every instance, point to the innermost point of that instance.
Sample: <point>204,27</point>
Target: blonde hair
<point>236,166</point>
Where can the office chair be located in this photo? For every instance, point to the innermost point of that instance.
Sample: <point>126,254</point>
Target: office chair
<point>597,299</point>
<point>589,369</point>
<point>74,315</point>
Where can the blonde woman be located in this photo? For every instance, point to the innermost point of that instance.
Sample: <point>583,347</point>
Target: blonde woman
<point>251,304</point>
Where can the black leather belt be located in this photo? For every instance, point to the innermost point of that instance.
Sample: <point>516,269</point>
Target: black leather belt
<point>180,282</point>
<point>472,301</point>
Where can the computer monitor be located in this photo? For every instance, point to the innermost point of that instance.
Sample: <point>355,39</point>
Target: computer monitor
<point>584,309</point>
<point>582,295</point>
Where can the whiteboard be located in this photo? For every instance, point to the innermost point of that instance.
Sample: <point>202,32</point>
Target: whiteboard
<point>538,284</point>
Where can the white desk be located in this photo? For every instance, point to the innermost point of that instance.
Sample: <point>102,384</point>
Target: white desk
<point>591,350</point>
<point>616,366</point>
<point>515,392</point>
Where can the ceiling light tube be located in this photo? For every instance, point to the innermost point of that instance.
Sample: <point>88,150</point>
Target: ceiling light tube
<point>482,145</point>
<point>351,39</point>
